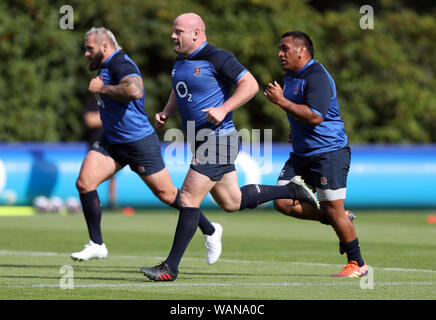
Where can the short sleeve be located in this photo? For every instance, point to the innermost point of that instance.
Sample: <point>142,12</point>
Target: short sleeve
<point>124,68</point>
<point>318,92</point>
<point>228,67</point>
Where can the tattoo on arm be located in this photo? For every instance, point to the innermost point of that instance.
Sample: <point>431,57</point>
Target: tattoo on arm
<point>129,89</point>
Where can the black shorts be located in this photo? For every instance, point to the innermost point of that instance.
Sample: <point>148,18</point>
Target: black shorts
<point>326,172</point>
<point>143,156</point>
<point>216,156</point>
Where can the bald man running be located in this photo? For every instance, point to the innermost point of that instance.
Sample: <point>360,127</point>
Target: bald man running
<point>202,79</point>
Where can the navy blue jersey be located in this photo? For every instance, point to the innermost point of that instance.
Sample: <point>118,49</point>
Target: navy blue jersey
<point>204,79</point>
<point>123,121</point>
<point>313,86</point>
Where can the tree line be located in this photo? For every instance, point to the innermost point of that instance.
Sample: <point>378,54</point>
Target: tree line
<point>384,76</point>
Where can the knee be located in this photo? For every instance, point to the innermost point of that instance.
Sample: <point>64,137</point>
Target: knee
<point>186,199</point>
<point>281,205</point>
<point>230,206</point>
<point>285,206</point>
<point>83,185</point>
<point>167,196</point>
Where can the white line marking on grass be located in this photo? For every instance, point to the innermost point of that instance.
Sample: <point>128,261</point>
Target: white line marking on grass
<point>284,284</point>
<point>57,254</point>
<point>31,253</point>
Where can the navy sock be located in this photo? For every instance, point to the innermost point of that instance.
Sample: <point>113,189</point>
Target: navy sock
<point>254,194</point>
<point>185,230</point>
<point>176,201</point>
<point>352,249</point>
<point>205,226</point>
<point>92,211</point>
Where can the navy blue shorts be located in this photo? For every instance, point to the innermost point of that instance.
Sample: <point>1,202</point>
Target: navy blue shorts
<point>216,156</point>
<point>143,156</point>
<point>325,172</point>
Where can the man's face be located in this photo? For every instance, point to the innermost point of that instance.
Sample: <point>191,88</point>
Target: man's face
<point>288,54</point>
<point>182,37</point>
<point>94,52</point>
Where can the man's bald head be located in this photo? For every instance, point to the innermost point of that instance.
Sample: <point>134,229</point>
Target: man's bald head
<point>189,33</point>
<point>193,20</point>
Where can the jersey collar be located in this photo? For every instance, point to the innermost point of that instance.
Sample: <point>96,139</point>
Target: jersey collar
<point>307,65</point>
<point>197,51</point>
<point>110,57</point>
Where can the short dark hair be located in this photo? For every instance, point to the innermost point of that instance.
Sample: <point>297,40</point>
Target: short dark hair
<point>307,42</point>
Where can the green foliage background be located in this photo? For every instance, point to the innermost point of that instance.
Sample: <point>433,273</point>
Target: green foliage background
<point>385,76</point>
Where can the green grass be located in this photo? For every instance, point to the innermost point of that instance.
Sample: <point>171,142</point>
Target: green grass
<point>265,256</point>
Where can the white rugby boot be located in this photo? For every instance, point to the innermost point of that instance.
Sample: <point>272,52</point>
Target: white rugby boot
<point>213,244</point>
<point>92,251</point>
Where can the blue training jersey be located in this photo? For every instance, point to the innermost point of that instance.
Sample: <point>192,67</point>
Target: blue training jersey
<point>123,121</point>
<point>313,86</point>
<point>202,80</point>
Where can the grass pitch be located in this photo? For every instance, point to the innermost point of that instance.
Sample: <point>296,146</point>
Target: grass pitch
<point>266,256</point>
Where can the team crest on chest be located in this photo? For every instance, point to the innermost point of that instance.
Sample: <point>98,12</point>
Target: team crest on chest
<point>297,88</point>
<point>197,72</point>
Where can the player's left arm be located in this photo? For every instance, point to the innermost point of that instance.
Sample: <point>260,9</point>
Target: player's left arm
<point>129,89</point>
<point>246,89</point>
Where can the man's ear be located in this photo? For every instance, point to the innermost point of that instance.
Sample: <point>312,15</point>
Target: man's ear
<point>301,51</point>
<point>196,34</point>
<point>105,45</point>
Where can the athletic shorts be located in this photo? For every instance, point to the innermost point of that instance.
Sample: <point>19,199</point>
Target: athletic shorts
<point>143,156</point>
<point>216,156</point>
<point>326,172</point>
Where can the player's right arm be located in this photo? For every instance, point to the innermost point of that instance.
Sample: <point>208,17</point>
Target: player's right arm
<point>129,89</point>
<point>300,112</point>
<point>168,111</point>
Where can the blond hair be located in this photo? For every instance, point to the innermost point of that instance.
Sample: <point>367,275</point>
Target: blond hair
<point>102,32</point>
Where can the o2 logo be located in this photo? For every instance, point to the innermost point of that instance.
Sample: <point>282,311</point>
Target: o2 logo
<point>182,90</point>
